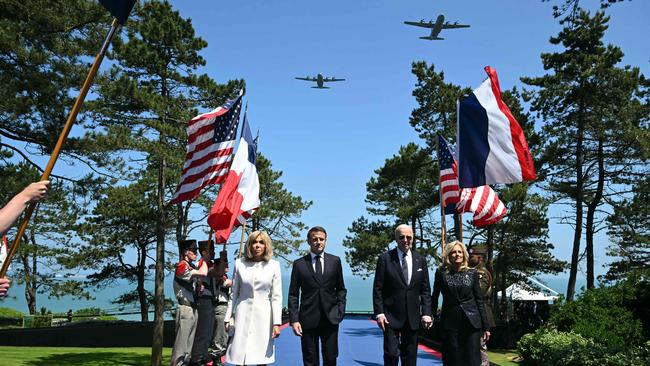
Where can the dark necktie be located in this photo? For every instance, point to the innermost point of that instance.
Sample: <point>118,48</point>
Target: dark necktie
<point>405,268</point>
<point>319,266</point>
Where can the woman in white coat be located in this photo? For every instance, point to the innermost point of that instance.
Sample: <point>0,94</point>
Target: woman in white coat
<point>255,304</point>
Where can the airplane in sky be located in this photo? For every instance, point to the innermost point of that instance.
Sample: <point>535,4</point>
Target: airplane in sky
<point>320,80</point>
<point>436,26</point>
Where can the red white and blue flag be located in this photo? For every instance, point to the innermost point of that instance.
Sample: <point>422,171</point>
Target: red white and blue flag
<point>492,147</point>
<point>482,201</point>
<point>210,143</point>
<point>239,196</point>
<point>450,193</point>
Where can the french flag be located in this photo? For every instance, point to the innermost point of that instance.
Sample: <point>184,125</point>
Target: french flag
<point>239,196</point>
<point>492,147</point>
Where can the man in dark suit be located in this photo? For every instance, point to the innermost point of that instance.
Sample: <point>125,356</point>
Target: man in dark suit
<point>401,298</point>
<point>318,279</point>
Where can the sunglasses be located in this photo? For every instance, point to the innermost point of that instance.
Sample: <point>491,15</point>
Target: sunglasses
<point>402,237</point>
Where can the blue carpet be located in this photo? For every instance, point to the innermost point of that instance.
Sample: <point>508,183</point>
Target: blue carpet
<point>360,344</point>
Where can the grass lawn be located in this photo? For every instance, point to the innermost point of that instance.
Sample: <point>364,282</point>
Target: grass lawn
<point>503,357</point>
<point>77,356</point>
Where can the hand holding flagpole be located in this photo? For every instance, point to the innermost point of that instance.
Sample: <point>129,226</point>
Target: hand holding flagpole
<point>121,12</point>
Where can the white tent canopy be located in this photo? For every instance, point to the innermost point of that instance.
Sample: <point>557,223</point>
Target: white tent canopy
<point>527,292</point>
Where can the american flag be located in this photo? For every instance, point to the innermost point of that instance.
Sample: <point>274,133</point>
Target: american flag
<point>448,175</point>
<point>482,201</point>
<point>210,142</point>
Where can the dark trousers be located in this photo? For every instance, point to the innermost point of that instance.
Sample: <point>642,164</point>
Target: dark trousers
<point>400,344</point>
<point>461,346</point>
<point>328,334</point>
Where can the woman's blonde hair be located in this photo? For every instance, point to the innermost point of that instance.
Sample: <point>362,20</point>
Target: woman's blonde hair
<point>268,251</point>
<point>446,264</point>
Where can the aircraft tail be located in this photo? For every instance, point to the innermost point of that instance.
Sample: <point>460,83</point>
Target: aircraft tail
<point>320,87</point>
<point>432,38</point>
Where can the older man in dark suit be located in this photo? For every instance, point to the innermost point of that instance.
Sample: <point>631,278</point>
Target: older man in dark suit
<point>317,280</point>
<point>401,298</point>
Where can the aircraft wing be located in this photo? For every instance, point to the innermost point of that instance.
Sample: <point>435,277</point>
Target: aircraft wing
<point>453,25</point>
<point>306,78</point>
<point>421,24</point>
<point>333,79</point>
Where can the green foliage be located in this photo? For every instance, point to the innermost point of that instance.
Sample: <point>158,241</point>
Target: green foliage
<point>595,114</point>
<point>48,239</point>
<point>550,347</point>
<point>366,241</point>
<point>280,211</point>
<point>436,112</point>
<point>44,49</point>
<point>599,314</point>
<point>10,313</point>
<point>629,230</point>
<point>400,192</point>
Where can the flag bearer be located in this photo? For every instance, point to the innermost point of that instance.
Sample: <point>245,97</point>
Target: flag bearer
<point>185,290</point>
<point>223,285</point>
<point>205,307</point>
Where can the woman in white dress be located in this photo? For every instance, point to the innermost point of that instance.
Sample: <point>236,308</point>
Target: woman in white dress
<point>255,306</point>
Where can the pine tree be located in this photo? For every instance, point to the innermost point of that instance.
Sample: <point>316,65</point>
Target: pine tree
<point>144,101</point>
<point>592,115</point>
<point>629,230</point>
<point>403,191</point>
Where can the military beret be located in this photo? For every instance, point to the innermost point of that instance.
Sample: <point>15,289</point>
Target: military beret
<point>478,249</point>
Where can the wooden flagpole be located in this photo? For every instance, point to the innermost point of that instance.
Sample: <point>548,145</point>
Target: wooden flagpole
<point>62,137</point>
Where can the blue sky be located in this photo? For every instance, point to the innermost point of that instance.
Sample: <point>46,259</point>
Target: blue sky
<point>329,142</point>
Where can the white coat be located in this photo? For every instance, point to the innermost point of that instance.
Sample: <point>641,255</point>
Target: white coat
<point>255,306</point>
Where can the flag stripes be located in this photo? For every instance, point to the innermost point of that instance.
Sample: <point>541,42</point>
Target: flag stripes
<point>210,144</point>
<point>484,203</point>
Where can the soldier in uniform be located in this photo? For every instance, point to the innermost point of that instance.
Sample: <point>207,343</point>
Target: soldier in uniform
<point>222,294</point>
<point>185,290</point>
<point>477,259</point>
<point>205,307</point>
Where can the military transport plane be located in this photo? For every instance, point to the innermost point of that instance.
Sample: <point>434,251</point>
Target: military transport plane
<point>436,26</point>
<point>320,80</point>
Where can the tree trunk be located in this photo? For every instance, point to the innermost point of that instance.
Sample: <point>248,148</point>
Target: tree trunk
<point>142,293</point>
<point>577,235</point>
<point>29,271</point>
<point>159,295</point>
<point>413,226</point>
<point>591,213</point>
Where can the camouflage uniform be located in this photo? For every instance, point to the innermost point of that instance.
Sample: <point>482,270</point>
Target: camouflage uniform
<point>485,280</point>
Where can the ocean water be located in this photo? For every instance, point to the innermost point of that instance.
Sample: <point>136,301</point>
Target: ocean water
<point>359,297</point>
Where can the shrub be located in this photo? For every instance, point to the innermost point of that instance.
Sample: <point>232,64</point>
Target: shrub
<point>550,347</point>
<point>601,315</point>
